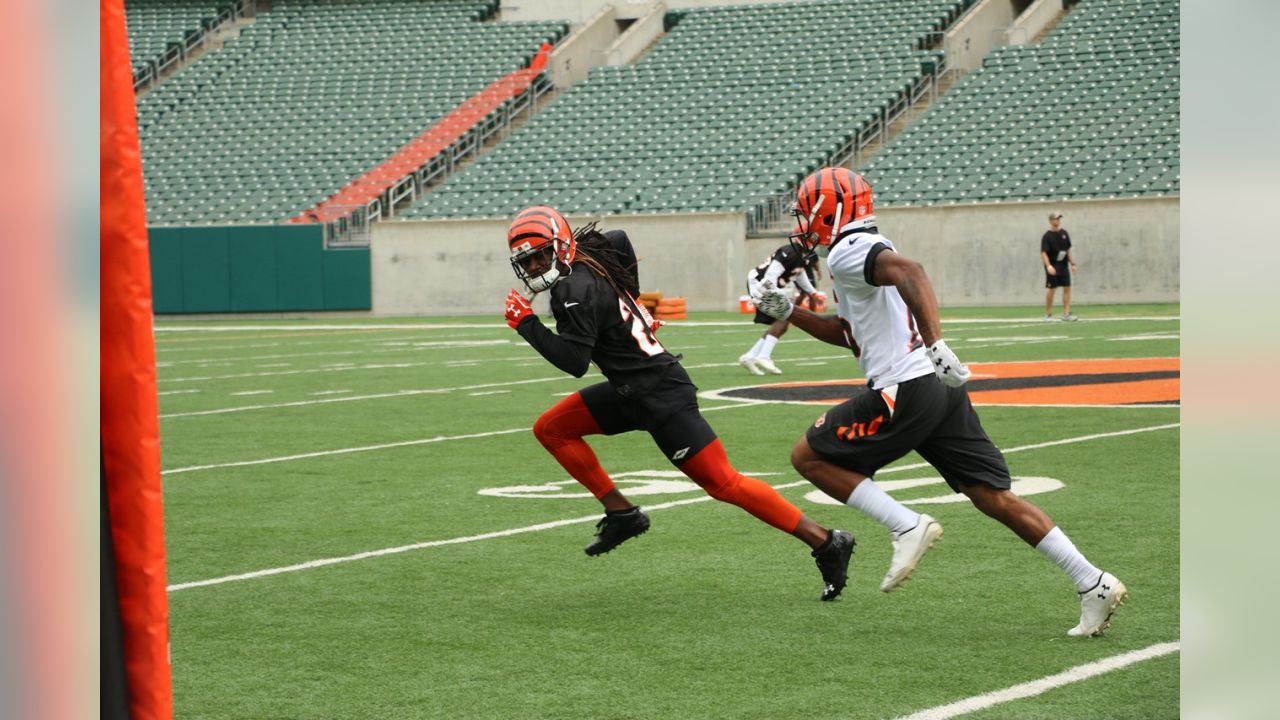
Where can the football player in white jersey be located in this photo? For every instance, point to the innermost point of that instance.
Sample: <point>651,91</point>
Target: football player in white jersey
<point>914,399</point>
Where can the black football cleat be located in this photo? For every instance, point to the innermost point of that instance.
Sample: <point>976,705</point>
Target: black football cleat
<point>832,560</point>
<point>615,529</point>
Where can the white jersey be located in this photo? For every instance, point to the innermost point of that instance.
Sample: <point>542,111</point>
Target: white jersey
<point>877,322</point>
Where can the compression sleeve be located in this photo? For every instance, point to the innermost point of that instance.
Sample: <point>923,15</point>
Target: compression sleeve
<point>568,356</point>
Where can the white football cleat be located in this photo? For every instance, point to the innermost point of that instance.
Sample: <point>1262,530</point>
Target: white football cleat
<point>1097,605</point>
<point>749,361</point>
<point>908,548</point>
<point>767,365</point>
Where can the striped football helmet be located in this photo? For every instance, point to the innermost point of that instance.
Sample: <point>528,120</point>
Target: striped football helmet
<point>828,201</point>
<point>542,247</point>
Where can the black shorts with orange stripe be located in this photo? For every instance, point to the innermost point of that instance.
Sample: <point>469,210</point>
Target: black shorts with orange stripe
<point>939,422</point>
<point>668,412</point>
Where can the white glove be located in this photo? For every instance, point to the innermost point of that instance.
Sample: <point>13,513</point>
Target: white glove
<point>946,365</point>
<point>773,302</point>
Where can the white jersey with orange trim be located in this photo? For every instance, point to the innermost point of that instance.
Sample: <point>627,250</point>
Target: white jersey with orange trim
<point>876,321</point>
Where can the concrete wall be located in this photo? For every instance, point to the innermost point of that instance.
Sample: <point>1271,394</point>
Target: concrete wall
<point>989,254</point>
<point>986,254</point>
<point>636,38</point>
<point>462,267</point>
<point>978,32</point>
<point>584,48</point>
<point>1032,21</point>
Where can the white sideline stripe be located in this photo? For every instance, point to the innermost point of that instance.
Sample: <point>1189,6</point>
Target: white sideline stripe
<point>398,393</point>
<point>337,367</point>
<point>1044,684</point>
<point>343,451</point>
<point>574,521</point>
<point>497,325</point>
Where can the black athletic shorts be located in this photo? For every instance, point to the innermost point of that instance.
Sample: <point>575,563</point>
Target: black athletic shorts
<point>1062,279</point>
<point>935,420</point>
<point>668,412</point>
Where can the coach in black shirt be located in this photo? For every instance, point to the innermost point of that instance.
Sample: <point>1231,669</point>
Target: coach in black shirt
<point>1055,253</point>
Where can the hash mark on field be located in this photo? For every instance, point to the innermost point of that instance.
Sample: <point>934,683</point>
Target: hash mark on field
<point>549,525</point>
<point>330,392</point>
<point>274,365</point>
<point>253,392</point>
<point>1044,684</point>
<point>176,392</point>
<point>489,392</point>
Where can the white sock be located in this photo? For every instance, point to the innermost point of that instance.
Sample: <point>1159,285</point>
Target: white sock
<point>1058,547</point>
<point>766,348</point>
<point>755,349</point>
<point>870,499</point>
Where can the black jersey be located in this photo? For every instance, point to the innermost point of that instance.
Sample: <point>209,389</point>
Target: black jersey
<point>792,262</point>
<point>618,330</point>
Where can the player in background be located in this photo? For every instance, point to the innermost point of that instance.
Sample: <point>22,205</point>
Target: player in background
<point>593,283</point>
<point>785,267</point>
<point>914,399</point>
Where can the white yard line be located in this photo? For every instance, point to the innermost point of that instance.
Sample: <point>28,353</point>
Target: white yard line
<point>277,373</point>
<point>557,523</point>
<point>498,325</point>
<point>353,397</point>
<point>252,392</point>
<point>176,392</point>
<point>1044,684</point>
<point>343,451</point>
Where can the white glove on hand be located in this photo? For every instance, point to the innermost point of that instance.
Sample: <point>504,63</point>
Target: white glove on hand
<point>773,302</point>
<point>946,365</point>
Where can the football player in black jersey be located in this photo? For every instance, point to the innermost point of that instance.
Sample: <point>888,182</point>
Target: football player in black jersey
<point>593,282</point>
<point>786,265</point>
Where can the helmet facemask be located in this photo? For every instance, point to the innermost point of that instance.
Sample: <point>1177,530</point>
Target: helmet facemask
<point>542,247</point>
<point>539,266</point>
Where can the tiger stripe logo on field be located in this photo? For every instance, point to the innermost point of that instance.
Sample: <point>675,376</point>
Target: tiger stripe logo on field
<point>1098,382</point>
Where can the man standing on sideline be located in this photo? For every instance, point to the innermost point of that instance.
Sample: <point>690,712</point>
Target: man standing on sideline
<point>1055,253</point>
<point>914,399</point>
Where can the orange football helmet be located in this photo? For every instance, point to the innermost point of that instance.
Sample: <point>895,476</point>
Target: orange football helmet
<point>830,200</point>
<point>542,247</point>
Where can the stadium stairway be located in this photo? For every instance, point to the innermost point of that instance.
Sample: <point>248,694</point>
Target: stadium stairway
<point>429,148</point>
<point>1091,112</point>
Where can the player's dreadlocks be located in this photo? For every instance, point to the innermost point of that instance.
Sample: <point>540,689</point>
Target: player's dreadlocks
<point>595,251</point>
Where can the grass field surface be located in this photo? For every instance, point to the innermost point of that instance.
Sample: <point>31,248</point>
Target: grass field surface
<point>360,524</point>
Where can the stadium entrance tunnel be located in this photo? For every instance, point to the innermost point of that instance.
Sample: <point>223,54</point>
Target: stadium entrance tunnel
<point>1136,382</point>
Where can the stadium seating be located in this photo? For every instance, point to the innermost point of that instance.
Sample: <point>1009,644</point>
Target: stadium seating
<point>1091,112</point>
<point>733,105</point>
<point>312,95</point>
<point>155,25</point>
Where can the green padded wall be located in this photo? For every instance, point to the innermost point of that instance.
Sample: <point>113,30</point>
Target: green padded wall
<point>346,279</point>
<point>275,268</point>
<point>300,267</point>
<point>206,270</point>
<point>166,269</point>
<point>253,270</point>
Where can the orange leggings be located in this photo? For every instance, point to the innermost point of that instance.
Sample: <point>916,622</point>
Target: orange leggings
<point>561,428</point>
